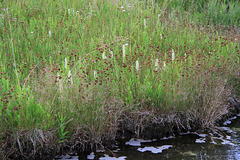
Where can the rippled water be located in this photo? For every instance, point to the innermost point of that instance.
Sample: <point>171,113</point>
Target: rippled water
<point>185,146</point>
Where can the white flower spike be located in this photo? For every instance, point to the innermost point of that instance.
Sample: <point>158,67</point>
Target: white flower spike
<point>111,54</point>
<point>137,65</point>
<point>58,77</point>
<point>156,65</point>
<point>123,48</point>
<point>104,56</point>
<point>173,55</point>
<point>65,63</point>
<point>94,74</point>
<point>70,77</point>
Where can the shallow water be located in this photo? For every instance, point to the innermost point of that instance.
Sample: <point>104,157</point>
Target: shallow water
<point>185,146</point>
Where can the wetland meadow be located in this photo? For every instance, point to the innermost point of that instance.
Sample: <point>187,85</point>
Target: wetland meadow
<point>80,75</point>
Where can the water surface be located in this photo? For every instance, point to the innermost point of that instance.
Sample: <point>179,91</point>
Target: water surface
<point>186,146</point>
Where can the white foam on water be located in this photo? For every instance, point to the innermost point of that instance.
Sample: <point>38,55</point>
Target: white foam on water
<point>235,117</point>
<point>115,145</point>
<point>116,150</point>
<point>74,158</point>
<point>185,133</point>
<point>213,142</point>
<point>202,135</point>
<point>137,142</point>
<point>65,157</point>
<point>227,122</point>
<point>154,150</point>
<point>166,138</point>
<point>91,156</point>
<point>133,142</point>
<point>200,140</point>
<point>227,129</point>
<point>112,158</point>
<point>227,142</point>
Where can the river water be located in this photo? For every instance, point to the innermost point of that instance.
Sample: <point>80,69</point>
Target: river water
<point>224,144</point>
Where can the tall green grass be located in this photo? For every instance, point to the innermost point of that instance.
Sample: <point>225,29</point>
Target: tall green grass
<point>82,65</point>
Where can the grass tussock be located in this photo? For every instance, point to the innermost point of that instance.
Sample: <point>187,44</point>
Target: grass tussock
<point>78,75</point>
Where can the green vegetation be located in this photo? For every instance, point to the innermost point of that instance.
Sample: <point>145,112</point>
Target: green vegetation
<point>82,72</point>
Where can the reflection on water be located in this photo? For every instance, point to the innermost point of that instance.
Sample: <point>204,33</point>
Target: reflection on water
<point>185,146</point>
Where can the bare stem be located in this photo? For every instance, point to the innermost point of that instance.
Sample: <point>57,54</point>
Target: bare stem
<point>14,62</point>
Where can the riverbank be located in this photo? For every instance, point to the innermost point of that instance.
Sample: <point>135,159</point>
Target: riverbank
<point>77,76</point>
<point>142,123</point>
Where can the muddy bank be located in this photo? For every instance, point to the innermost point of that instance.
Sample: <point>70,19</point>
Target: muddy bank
<point>43,145</point>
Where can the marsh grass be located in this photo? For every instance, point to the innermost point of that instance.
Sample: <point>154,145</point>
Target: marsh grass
<point>87,73</point>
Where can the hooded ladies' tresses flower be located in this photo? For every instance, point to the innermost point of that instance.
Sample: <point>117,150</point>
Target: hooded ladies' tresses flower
<point>65,63</point>
<point>50,33</point>
<point>111,54</point>
<point>156,64</point>
<point>104,56</point>
<point>123,48</point>
<point>145,23</point>
<point>58,77</point>
<point>94,74</point>
<point>137,65</point>
<point>70,77</point>
<point>173,55</point>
